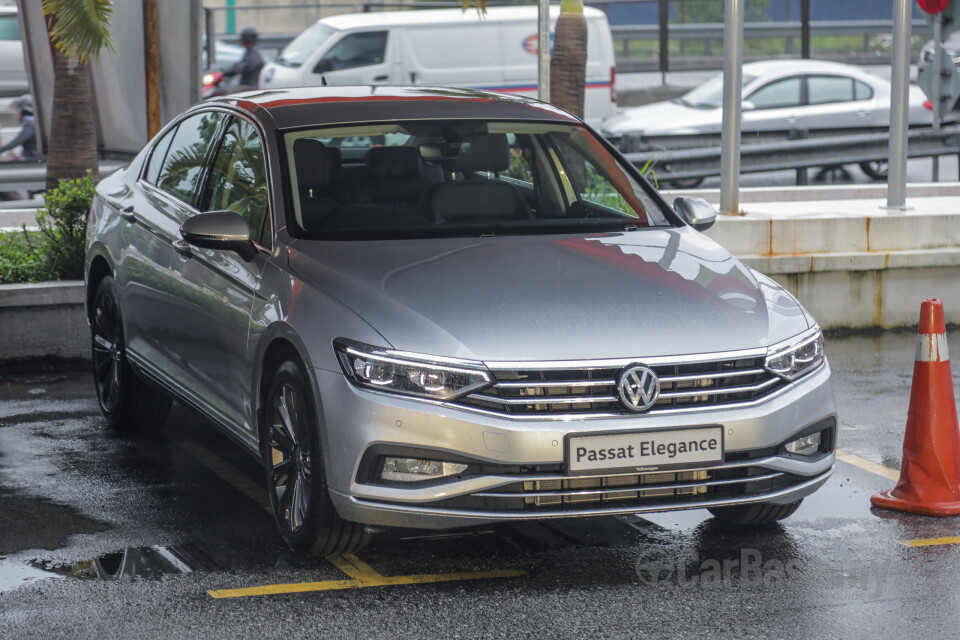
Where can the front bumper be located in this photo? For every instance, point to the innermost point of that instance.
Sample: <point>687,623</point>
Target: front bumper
<point>522,462</point>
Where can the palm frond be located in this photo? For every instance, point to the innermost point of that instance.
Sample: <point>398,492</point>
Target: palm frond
<point>81,27</point>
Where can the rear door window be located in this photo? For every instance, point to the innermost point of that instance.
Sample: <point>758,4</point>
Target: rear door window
<point>184,159</point>
<point>9,28</point>
<point>829,89</point>
<point>157,156</point>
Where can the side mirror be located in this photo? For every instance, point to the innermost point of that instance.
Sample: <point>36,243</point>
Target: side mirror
<point>746,105</point>
<point>325,64</point>
<point>224,230</point>
<point>696,212</point>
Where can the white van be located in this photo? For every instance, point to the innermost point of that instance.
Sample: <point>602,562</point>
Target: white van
<point>446,47</point>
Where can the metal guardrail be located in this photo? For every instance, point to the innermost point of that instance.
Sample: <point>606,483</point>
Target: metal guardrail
<point>684,164</point>
<point>32,176</point>
<point>714,31</point>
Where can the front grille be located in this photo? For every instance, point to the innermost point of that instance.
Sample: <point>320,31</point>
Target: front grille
<point>593,390</point>
<point>673,488</point>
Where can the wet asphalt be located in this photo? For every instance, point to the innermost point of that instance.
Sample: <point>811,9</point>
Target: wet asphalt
<point>109,535</point>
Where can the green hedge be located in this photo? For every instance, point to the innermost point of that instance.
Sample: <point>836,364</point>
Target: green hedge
<point>56,251</point>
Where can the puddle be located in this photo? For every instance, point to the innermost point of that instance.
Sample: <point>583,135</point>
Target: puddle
<point>148,563</point>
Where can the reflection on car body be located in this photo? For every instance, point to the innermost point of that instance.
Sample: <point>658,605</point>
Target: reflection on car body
<point>415,305</point>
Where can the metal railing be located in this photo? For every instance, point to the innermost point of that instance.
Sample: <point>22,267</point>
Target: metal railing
<point>797,33</point>
<point>671,165</point>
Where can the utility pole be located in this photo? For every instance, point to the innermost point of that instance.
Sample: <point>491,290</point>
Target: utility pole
<point>899,107</point>
<point>732,95</point>
<point>543,51</point>
<point>151,54</point>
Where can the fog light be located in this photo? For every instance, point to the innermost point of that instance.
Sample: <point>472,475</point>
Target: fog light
<point>413,469</point>
<point>806,445</point>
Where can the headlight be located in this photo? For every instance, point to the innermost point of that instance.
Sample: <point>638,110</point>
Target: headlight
<point>208,78</point>
<point>795,360</point>
<point>383,370</point>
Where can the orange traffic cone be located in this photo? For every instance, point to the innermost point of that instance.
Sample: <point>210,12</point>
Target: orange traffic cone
<point>930,473</point>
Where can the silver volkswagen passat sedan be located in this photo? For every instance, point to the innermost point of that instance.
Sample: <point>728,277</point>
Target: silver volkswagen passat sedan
<point>443,307</point>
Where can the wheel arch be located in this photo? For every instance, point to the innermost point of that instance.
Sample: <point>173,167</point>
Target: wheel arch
<point>280,343</point>
<point>99,269</point>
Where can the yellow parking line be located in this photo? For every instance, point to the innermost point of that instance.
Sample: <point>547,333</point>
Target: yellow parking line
<point>355,567</point>
<point>930,542</point>
<point>868,465</point>
<point>382,581</point>
<point>227,472</point>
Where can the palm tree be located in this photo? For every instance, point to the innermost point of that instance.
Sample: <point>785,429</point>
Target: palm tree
<point>79,30</point>
<point>568,62</point>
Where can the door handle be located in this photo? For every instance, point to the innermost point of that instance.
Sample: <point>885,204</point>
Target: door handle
<point>413,77</point>
<point>183,248</point>
<point>127,213</point>
<point>792,119</point>
<point>381,78</point>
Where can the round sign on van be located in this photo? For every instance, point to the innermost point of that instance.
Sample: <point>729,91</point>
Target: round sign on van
<point>531,44</point>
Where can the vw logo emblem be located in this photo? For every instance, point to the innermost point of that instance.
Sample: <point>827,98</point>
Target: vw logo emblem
<point>639,388</point>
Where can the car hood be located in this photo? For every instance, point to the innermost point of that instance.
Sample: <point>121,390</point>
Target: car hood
<point>642,293</point>
<point>663,117</point>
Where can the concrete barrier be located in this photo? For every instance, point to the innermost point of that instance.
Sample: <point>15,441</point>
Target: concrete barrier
<point>44,320</point>
<point>853,264</point>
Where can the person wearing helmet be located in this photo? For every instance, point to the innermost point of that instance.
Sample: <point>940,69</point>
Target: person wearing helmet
<point>26,138</point>
<point>248,68</point>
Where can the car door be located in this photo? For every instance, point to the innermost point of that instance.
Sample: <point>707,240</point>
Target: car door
<point>359,58</point>
<point>841,102</point>
<point>150,214</point>
<point>220,287</point>
<point>774,106</point>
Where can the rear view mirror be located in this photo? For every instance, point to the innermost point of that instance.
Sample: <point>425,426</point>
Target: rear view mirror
<point>224,230</point>
<point>444,150</point>
<point>323,66</point>
<point>696,212</point>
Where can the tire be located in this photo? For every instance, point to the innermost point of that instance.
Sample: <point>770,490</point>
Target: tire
<point>877,169</point>
<point>296,479</point>
<point>754,514</point>
<point>128,403</point>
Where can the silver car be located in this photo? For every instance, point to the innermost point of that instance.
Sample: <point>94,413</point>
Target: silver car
<point>444,307</point>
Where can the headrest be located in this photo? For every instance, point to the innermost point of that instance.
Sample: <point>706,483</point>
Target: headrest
<point>487,153</point>
<point>315,162</point>
<point>393,162</point>
<point>476,200</point>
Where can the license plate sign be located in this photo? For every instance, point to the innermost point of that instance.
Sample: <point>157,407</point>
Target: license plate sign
<point>648,450</point>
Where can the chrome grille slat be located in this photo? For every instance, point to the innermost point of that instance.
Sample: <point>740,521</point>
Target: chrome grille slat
<point>525,400</point>
<point>625,488</point>
<point>719,391</point>
<point>525,384</point>
<point>589,388</point>
<point>732,374</point>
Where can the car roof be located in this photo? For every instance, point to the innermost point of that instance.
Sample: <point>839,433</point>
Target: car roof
<point>439,16</point>
<point>776,67</point>
<point>315,106</point>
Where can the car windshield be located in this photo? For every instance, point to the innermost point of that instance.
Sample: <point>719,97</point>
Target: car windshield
<point>461,178</point>
<point>709,95</point>
<point>302,47</point>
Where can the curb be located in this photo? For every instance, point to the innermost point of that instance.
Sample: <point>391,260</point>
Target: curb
<point>44,320</point>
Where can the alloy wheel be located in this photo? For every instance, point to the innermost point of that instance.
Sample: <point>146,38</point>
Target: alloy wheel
<point>291,473</point>
<point>107,352</point>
